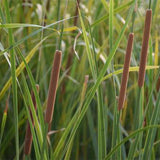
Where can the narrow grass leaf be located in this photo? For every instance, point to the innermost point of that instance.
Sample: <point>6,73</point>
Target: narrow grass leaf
<point>14,83</point>
<point>131,69</point>
<point>28,136</point>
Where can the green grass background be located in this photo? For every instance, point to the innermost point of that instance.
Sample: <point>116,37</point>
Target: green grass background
<point>88,124</point>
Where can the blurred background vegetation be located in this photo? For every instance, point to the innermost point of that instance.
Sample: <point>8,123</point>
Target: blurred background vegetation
<point>39,29</point>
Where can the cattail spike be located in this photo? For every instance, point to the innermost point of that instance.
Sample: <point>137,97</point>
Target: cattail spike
<point>53,86</point>
<point>144,50</point>
<point>125,74</point>
<point>28,136</point>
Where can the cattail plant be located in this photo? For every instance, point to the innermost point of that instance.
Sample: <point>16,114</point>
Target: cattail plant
<point>53,86</point>
<point>125,74</point>
<point>144,50</point>
<point>28,136</point>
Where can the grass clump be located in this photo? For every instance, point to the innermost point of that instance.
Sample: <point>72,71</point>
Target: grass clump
<point>83,109</point>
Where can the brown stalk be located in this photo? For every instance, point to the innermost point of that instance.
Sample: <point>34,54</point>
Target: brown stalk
<point>144,50</point>
<point>53,86</point>
<point>125,74</point>
<point>28,136</point>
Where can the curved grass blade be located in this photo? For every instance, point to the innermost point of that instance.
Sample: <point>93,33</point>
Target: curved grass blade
<point>33,34</point>
<point>131,69</point>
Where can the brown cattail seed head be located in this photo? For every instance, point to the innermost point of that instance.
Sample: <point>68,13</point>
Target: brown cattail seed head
<point>53,86</point>
<point>144,50</point>
<point>28,136</point>
<point>125,72</point>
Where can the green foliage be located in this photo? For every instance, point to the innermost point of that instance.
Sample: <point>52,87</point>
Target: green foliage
<point>86,122</point>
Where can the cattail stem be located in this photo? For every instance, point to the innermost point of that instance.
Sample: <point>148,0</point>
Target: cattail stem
<point>53,86</point>
<point>28,136</point>
<point>125,74</point>
<point>144,50</point>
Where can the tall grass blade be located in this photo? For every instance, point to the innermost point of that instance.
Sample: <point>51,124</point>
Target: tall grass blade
<point>28,136</point>
<point>14,83</point>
